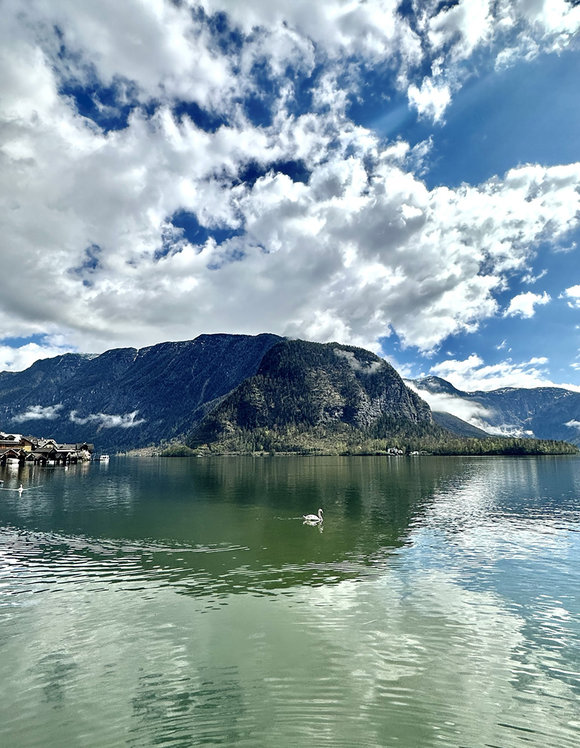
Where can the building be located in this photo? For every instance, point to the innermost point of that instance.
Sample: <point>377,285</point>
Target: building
<point>15,447</point>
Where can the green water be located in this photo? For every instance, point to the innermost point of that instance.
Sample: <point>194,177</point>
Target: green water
<point>184,603</point>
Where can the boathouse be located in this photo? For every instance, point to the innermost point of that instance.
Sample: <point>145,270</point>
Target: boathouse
<point>16,448</point>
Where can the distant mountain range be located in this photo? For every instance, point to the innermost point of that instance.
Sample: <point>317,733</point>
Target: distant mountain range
<point>542,412</point>
<point>127,398</point>
<point>258,392</point>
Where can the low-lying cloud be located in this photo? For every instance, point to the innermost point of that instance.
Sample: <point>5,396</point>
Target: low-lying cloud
<point>108,421</point>
<point>364,368</point>
<point>23,356</point>
<point>472,373</point>
<point>39,413</point>
<point>467,410</point>
<point>471,412</point>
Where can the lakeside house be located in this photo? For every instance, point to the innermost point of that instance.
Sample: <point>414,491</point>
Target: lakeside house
<point>17,448</point>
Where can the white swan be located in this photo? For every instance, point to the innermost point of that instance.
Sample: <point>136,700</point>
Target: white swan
<point>313,517</point>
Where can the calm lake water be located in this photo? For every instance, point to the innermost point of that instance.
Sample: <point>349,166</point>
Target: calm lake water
<point>183,602</point>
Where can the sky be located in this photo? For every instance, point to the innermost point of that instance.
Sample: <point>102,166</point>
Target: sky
<point>398,175</point>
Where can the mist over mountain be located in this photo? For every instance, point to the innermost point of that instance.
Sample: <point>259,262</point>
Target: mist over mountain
<point>458,426</point>
<point>541,412</point>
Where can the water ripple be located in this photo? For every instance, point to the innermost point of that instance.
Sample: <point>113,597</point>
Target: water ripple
<point>438,606</point>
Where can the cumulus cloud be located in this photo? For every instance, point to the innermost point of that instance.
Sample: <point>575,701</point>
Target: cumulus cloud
<point>461,28</point>
<point>374,30</point>
<point>21,357</point>
<point>147,49</point>
<point>473,373</point>
<point>573,296</point>
<point>38,412</point>
<point>361,247</point>
<point>524,304</point>
<point>431,100</point>
<point>356,247</point>
<point>108,421</point>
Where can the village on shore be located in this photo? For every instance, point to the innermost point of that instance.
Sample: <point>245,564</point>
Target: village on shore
<point>16,449</point>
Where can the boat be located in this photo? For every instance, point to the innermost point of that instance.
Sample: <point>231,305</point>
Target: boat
<point>104,458</point>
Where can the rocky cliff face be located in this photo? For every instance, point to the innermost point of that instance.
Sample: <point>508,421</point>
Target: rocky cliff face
<point>310,387</point>
<point>127,398</point>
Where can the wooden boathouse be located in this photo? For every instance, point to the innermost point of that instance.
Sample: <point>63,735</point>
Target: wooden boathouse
<point>15,448</point>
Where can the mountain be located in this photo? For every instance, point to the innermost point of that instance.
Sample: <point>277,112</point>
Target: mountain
<point>244,393</point>
<point>127,398</point>
<point>457,426</point>
<point>312,395</point>
<point>541,412</point>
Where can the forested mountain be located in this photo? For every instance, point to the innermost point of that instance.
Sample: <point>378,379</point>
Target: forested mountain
<point>241,393</point>
<point>458,426</point>
<point>127,398</point>
<point>312,395</point>
<point>541,412</point>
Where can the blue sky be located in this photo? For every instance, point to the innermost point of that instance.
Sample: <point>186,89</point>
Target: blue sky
<point>402,176</point>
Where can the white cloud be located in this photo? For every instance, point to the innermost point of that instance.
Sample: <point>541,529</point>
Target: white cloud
<point>38,412</point>
<point>108,421</point>
<point>467,410</point>
<point>363,367</point>
<point>431,100</point>
<point>461,28</point>
<point>473,373</point>
<point>371,29</point>
<point>21,357</point>
<point>573,424</point>
<point>361,248</point>
<point>524,304</point>
<point>557,20</point>
<point>152,48</point>
<point>573,296</point>
<point>530,278</point>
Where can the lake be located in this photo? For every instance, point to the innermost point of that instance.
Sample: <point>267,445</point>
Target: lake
<point>183,602</point>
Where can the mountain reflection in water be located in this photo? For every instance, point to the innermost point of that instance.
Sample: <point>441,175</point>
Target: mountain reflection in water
<point>183,602</point>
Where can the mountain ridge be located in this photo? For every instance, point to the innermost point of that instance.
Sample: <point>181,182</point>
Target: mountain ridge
<point>266,391</point>
<point>128,398</point>
<point>539,412</point>
<point>313,394</point>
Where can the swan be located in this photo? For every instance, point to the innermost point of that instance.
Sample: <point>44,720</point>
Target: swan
<point>313,517</point>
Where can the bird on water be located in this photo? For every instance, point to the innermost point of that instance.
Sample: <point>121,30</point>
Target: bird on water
<point>313,517</point>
